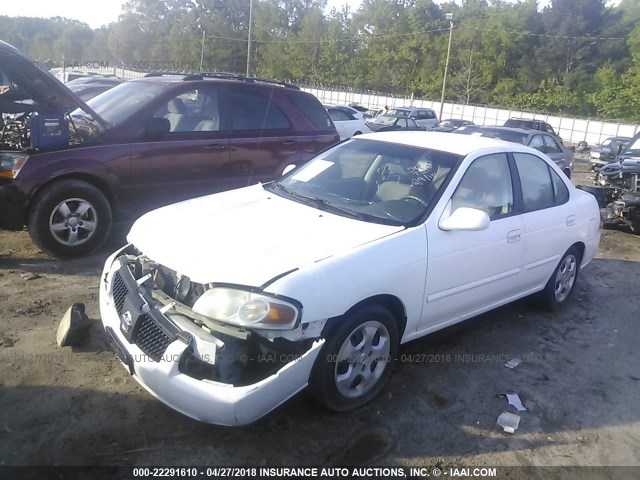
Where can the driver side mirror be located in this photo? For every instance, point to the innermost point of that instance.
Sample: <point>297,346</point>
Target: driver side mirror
<point>157,126</point>
<point>466,219</point>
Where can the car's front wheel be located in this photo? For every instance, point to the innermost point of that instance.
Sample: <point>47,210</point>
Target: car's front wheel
<point>356,360</point>
<point>562,283</point>
<point>69,218</point>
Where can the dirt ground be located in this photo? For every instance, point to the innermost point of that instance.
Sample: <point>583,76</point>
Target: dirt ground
<point>580,381</point>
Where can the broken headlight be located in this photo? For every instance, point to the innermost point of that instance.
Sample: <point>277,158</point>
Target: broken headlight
<point>11,163</point>
<point>247,309</point>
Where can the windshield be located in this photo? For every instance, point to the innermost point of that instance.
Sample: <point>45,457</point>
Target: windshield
<point>371,180</point>
<point>507,136</point>
<point>633,148</point>
<point>399,112</point>
<point>120,102</point>
<point>384,120</point>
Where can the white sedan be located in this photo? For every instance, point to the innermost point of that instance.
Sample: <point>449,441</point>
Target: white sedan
<point>225,306</point>
<point>347,124</point>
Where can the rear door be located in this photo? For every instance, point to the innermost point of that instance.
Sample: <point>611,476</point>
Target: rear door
<point>262,139</point>
<point>548,218</point>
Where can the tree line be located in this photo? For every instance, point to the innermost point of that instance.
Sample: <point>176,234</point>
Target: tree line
<point>577,57</point>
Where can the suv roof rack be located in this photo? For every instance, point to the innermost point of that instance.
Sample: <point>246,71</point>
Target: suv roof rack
<point>163,74</point>
<point>237,76</point>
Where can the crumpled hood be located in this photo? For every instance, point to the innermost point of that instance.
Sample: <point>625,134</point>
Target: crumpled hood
<point>33,87</point>
<point>246,236</point>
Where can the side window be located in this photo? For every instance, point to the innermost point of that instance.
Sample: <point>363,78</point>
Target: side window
<point>486,185</point>
<point>430,114</point>
<point>411,123</point>
<point>537,188</point>
<point>195,110</point>
<point>560,190</point>
<point>254,111</point>
<point>337,115</point>
<point>537,143</point>
<point>402,123</point>
<point>551,144</point>
<point>312,109</point>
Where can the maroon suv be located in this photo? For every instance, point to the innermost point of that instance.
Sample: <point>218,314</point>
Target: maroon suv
<point>143,144</point>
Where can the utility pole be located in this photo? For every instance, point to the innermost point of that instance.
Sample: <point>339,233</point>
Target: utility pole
<point>446,65</point>
<point>249,39</point>
<point>202,51</point>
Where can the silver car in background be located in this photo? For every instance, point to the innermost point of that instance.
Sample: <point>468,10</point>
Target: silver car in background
<point>541,141</point>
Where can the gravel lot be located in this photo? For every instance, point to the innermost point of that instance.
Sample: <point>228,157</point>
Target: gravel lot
<point>580,381</point>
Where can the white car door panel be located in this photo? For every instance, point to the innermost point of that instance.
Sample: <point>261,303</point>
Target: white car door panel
<point>470,271</point>
<point>549,221</point>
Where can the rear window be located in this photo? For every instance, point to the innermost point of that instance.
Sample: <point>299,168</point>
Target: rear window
<point>312,109</point>
<point>505,135</point>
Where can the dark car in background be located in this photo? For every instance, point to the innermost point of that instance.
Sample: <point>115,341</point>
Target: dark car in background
<point>607,151</point>
<point>541,141</point>
<point>530,124</point>
<point>451,124</point>
<point>140,145</point>
<point>385,123</point>
<point>87,90</point>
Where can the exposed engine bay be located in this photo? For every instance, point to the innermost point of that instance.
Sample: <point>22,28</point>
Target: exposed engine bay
<point>617,190</point>
<point>14,131</point>
<point>217,351</point>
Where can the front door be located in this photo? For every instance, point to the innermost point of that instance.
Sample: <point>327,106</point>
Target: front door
<point>187,160</point>
<point>472,271</point>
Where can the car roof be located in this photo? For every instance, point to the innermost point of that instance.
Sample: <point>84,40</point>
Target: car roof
<point>172,79</point>
<point>443,141</point>
<point>523,131</point>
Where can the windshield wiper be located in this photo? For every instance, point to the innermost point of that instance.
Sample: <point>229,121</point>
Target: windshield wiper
<point>319,203</point>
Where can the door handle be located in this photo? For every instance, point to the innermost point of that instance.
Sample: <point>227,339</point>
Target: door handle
<point>216,147</point>
<point>513,236</point>
<point>571,220</point>
<point>289,142</point>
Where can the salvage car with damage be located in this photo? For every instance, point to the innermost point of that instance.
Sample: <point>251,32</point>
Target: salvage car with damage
<point>617,188</point>
<point>315,279</point>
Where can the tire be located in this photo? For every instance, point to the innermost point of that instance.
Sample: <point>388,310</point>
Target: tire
<point>567,172</point>
<point>561,285</point>
<point>375,330</point>
<point>59,217</point>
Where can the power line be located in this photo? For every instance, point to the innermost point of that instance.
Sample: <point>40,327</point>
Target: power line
<point>422,32</point>
<point>565,37</point>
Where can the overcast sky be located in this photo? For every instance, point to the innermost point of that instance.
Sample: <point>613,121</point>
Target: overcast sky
<point>98,13</point>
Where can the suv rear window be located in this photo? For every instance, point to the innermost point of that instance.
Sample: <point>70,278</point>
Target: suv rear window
<point>312,109</point>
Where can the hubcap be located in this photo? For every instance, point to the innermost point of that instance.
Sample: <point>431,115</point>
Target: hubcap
<point>73,221</point>
<point>362,359</point>
<point>565,277</point>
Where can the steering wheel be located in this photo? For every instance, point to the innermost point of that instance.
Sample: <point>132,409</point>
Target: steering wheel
<point>416,199</point>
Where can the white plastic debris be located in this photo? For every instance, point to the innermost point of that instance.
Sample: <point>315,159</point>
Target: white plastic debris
<point>514,400</point>
<point>509,421</point>
<point>513,363</point>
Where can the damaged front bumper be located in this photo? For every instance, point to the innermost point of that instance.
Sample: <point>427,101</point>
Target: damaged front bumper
<point>157,348</point>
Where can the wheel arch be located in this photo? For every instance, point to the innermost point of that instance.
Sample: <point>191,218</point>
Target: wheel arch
<point>581,247</point>
<point>92,180</point>
<point>390,302</point>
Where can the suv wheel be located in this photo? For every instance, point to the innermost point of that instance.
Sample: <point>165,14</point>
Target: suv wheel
<point>69,218</point>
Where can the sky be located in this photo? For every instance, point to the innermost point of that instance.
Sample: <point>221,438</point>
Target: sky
<point>98,13</point>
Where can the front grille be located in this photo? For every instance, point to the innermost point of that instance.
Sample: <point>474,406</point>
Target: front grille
<point>151,339</point>
<point>167,280</point>
<point>120,292</point>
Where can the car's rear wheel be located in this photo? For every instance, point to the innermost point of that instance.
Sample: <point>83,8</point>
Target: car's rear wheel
<point>562,283</point>
<point>69,218</point>
<point>356,360</point>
